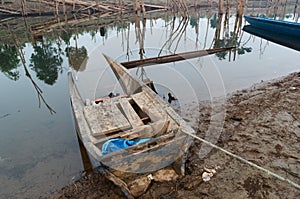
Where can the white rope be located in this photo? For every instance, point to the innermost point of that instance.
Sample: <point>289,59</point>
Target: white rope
<point>245,161</point>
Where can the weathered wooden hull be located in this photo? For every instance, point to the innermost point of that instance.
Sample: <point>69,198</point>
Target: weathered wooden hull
<point>283,27</point>
<point>135,167</point>
<point>173,57</point>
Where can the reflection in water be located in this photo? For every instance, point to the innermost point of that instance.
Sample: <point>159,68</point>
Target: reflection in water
<point>282,39</point>
<point>37,88</point>
<point>46,57</point>
<point>9,61</point>
<point>46,62</point>
<point>175,34</point>
<point>228,38</point>
<point>77,57</point>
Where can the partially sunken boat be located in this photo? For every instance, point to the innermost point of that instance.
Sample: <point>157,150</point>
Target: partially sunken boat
<point>135,138</point>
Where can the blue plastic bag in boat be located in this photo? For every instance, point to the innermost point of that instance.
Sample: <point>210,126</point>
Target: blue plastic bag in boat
<point>119,143</point>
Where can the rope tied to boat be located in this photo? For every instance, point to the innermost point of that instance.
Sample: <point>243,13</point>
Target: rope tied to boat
<point>244,160</point>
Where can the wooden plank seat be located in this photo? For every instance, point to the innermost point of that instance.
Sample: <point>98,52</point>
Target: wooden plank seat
<point>146,131</point>
<point>105,118</point>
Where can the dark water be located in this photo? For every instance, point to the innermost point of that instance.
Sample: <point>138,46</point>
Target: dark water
<point>39,148</point>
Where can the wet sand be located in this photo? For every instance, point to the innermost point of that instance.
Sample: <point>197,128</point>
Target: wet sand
<point>262,125</point>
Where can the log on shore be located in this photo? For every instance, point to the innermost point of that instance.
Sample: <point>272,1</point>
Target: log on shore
<point>173,57</point>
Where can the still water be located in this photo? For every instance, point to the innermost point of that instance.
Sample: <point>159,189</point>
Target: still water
<point>39,148</point>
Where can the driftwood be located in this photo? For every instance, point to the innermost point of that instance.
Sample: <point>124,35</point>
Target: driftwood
<point>56,24</point>
<point>93,4</point>
<point>8,11</point>
<point>173,58</point>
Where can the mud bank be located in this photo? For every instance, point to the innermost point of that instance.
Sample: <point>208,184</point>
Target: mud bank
<point>262,125</point>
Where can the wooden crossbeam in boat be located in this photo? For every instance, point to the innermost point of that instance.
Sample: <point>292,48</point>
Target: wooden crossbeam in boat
<point>149,106</point>
<point>130,114</point>
<point>145,131</point>
<point>173,57</point>
<point>102,99</point>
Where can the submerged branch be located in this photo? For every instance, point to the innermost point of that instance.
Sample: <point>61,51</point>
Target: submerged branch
<point>36,87</point>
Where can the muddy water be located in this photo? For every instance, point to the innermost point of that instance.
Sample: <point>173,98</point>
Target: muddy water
<point>39,148</point>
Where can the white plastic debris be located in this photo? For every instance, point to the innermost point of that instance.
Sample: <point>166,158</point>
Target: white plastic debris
<point>150,177</point>
<point>206,176</point>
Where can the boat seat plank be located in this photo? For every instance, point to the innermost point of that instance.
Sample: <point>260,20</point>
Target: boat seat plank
<point>152,130</point>
<point>105,118</point>
<point>145,131</point>
<point>130,113</point>
<point>149,106</point>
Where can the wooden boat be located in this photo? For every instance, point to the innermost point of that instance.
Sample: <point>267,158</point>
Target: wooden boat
<point>173,57</point>
<point>280,26</point>
<point>139,114</point>
<point>289,41</point>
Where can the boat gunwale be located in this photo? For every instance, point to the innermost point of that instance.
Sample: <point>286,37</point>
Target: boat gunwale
<point>273,21</point>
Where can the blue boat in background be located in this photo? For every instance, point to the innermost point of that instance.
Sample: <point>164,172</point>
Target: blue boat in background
<point>279,26</point>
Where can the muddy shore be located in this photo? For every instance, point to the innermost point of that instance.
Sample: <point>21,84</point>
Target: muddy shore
<point>262,125</point>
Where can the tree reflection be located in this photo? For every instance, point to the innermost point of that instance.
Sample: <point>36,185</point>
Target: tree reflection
<point>214,21</point>
<point>46,62</point>
<point>228,39</point>
<point>77,57</point>
<point>9,61</point>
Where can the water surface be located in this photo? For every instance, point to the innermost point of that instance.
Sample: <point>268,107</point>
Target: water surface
<point>39,148</point>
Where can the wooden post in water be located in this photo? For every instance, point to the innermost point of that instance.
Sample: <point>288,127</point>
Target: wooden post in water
<point>240,8</point>
<point>221,6</point>
<point>64,7</point>
<point>74,5</point>
<point>56,8</point>
<point>284,10</point>
<point>143,9</point>
<point>136,6</point>
<point>24,10</point>
<point>218,30</point>
<point>295,9</point>
<point>276,8</point>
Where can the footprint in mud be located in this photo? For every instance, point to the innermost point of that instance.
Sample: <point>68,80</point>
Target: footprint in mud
<point>255,187</point>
